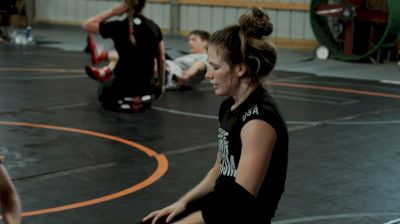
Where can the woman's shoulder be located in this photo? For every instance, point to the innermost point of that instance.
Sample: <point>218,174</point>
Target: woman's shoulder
<point>150,22</point>
<point>260,105</point>
<point>152,26</point>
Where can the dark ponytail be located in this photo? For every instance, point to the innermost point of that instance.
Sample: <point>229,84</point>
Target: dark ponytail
<point>134,8</point>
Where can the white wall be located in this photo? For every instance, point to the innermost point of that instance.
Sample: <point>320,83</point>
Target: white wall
<point>288,24</point>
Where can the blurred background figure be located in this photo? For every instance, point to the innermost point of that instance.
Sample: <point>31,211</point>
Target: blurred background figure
<point>139,43</point>
<point>183,71</point>
<point>7,8</point>
<point>15,15</point>
<point>189,69</point>
<point>10,202</point>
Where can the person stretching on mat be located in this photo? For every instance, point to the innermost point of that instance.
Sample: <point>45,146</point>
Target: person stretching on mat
<point>10,202</point>
<point>247,180</point>
<point>189,69</point>
<point>140,46</point>
<point>181,73</point>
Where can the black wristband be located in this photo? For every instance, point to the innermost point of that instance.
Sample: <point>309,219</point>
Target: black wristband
<point>230,203</point>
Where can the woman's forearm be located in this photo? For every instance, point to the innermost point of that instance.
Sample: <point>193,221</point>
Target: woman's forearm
<point>92,24</point>
<point>161,64</point>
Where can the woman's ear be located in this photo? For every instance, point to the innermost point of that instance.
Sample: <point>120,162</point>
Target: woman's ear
<point>240,69</point>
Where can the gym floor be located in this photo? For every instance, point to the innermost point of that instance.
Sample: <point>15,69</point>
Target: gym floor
<point>74,162</point>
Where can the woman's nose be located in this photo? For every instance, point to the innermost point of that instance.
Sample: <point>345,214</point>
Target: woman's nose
<point>208,74</point>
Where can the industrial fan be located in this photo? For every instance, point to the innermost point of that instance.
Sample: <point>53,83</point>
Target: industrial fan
<point>355,29</point>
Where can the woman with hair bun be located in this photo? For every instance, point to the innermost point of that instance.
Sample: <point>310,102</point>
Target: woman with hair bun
<point>139,43</point>
<point>247,180</point>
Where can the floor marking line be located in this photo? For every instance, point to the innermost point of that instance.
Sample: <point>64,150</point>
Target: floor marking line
<point>340,121</point>
<point>343,84</point>
<point>66,106</point>
<point>191,149</point>
<point>304,99</point>
<point>311,123</point>
<point>43,53</point>
<point>184,113</point>
<point>302,124</point>
<point>32,69</point>
<point>329,217</point>
<point>162,167</point>
<point>335,89</point>
<point>70,171</point>
<point>150,180</point>
<point>393,221</point>
<point>390,81</point>
<point>312,95</point>
<point>46,77</point>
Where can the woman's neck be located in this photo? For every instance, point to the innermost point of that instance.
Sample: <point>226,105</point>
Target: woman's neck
<point>243,91</point>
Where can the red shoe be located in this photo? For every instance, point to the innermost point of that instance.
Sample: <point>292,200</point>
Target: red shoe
<point>88,48</point>
<point>136,103</point>
<point>98,54</point>
<point>98,74</point>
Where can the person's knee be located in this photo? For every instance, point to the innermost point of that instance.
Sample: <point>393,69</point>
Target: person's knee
<point>113,55</point>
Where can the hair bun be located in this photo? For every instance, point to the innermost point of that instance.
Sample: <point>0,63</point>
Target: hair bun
<point>255,23</point>
<point>257,12</point>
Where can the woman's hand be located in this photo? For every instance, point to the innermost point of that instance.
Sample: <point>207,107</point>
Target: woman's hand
<point>170,211</point>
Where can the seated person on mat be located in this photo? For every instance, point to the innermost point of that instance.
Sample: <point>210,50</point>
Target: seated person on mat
<point>247,180</point>
<point>182,71</point>
<point>10,203</point>
<point>7,8</point>
<point>139,43</point>
<point>191,68</point>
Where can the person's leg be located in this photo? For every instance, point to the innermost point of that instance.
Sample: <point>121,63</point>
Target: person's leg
<point>1,28</point>
<point>141,100</point>
<point>29,12</point>
<point>171,70</point>
<point>108,94</point>
<point>104,73</point>
<point>193,75</point>
<point>98,74</point>
<point>98,53</point>
<point>113,57</point>
<point>116,95</point>
<point>4,21</point>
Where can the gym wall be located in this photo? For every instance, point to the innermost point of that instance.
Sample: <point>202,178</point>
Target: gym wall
<point>290,17</point>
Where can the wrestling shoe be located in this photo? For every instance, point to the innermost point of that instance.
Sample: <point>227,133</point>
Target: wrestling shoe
<point>136,103</point>
<point>98,74</point>
<point>89,39</point>
<point>98,53</point>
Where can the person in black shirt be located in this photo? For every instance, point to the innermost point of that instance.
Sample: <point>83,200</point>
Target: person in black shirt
<point>248,178</point>
<point>139,43</point>
<point>183,69</point>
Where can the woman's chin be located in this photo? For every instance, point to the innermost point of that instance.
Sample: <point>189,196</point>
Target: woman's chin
<point>218,92</point>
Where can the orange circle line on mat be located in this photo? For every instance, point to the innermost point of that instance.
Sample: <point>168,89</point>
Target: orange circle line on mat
<point>158,173</point>
<point>161,159</point>
<point>335,89</point>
